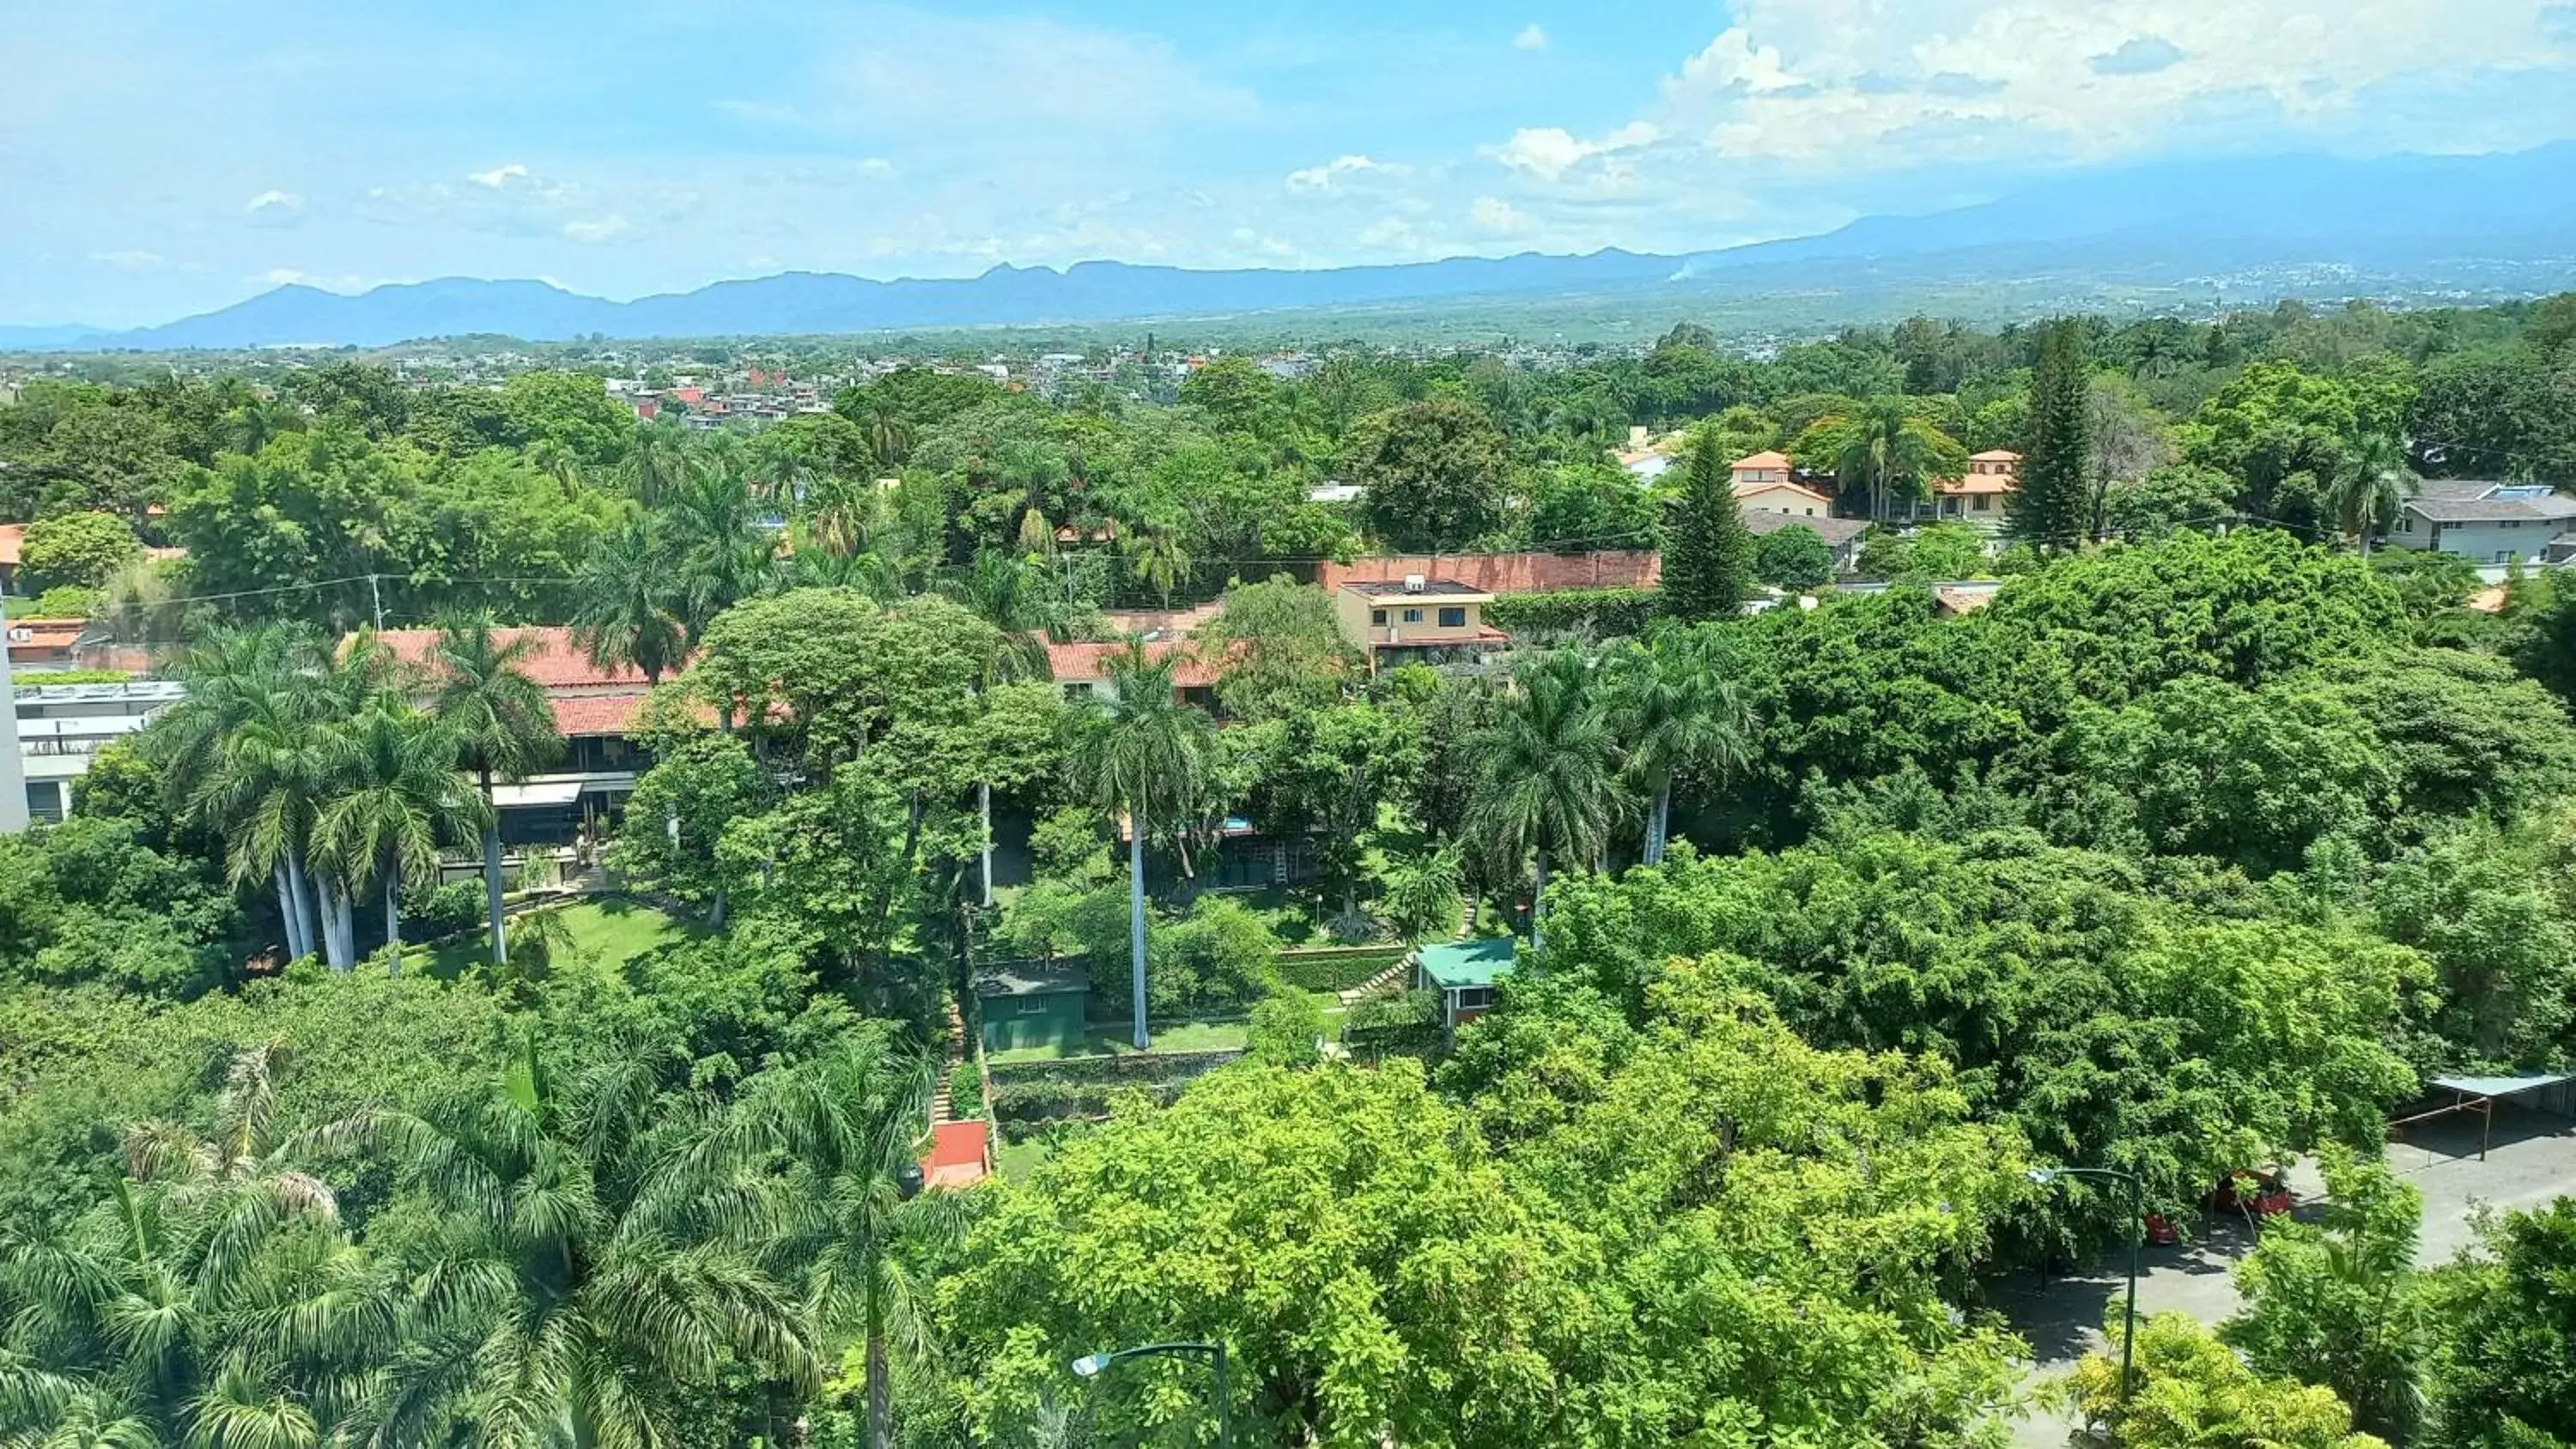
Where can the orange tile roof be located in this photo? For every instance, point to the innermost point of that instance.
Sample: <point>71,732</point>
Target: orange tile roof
<point>555,663</point>
<point>13,538</point>
<point>577,715</point>
<point>1995,455</point>
<point>1746,488</point>
<point>1763,460</point>
<point>1071,663</point>
<point>1505,573</point>
<point>1976,483</point>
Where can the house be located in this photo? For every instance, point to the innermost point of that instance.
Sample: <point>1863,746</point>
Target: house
<point>1082,671</point>
<point>39,644</point>
<point>594,708</point>
<point>1841,535</point>
<point>1761,468</point>
<point>2488,523</point>
<point>1463,972</point>
<point>1416,620</point>
<point>62,727</point>
<point>1032,1004</point>
<point>1795,500</point>
<point>1981,496</point>
<point>1504,574</point>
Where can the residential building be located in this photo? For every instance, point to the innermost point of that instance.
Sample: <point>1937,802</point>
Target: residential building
<point>1082,671</point>
<point>1504,574</point>
<point>1417,620</point>
<point>2489,523</point>
<point>1981,496</point>
<point>585,791</point>
<point>40,644</point>
<point>62,727</point>
<point>1761,469</point>
<point>1795,500</point>
<point>1464,973</point>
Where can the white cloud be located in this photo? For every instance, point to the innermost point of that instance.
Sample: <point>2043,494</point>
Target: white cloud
<point>131,260</point>
<point>498,176</point>
<point>1497,215</point>
<point>1322,178</point>
<point>274,202</point>
<point>280,277</point>
<point>1532,37</point>
<point>595,230</point>
<point>1549,152</point>
<point>878,168</point>
<point>1824,89</point>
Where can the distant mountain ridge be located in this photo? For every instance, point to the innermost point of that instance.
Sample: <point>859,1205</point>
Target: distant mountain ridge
<point>2423,219</point>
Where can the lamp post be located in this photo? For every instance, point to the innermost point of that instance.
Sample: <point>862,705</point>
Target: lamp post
<point>1091,1364</point>
<point>2137,1234</point>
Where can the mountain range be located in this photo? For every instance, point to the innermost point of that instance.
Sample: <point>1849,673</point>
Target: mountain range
<point>2489,224</point>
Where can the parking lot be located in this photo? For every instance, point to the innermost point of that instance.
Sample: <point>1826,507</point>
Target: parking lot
<point>2531,1159</point>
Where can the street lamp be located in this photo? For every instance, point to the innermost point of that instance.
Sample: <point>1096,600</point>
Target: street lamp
<point>2137,1233</point>
<point>1090,1366</point>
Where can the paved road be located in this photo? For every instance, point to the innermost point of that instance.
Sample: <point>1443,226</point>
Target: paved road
<point>2531,1161</point>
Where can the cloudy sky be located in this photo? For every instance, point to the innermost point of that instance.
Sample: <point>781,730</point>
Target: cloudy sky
<point>160,159</point>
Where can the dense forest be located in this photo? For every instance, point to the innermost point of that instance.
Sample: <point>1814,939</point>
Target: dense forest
<point>2202,846</point>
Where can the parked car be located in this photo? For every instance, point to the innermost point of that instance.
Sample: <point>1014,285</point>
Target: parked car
<point>2255,1192</point>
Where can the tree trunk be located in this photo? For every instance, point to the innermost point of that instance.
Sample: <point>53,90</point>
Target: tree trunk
<point>1659,821</point>
<point>334,949</point>
<point>393,911</point>
<point>1538,905</point>
<point>492,872</point>
<point>880,1395</point>
<point>308,912</point>
<point>984,803</point>
<point>1136,925</point>
<point>288,916</point>
<point>716,911</point>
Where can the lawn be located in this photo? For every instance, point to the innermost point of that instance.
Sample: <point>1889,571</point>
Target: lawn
<point>1019,1159</point>
<point>609,931</point>
<point>1110,1041</point>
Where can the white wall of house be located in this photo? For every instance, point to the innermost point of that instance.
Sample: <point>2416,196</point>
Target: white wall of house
<point>2486,542</point>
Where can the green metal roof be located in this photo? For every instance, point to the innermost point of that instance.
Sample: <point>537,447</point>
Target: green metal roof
<point>1454,964</point>
<point>1031,978</point>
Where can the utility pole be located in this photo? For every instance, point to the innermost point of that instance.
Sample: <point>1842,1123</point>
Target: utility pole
<point>13,766</point>
<point>377,591</point>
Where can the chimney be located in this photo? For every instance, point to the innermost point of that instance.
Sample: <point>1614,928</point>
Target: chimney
<point>1413,583</point>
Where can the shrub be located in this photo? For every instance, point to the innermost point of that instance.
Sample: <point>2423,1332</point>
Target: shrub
<point>1796,557</point>
<point>1335,970</point>
<point>965,1091</point>
<point>432,911</point>
<point>1130,1067</point>
<point>1285,1029</point>
<point>1603,613</point>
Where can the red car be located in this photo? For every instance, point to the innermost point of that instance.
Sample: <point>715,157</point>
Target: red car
<point>2258,1193</point>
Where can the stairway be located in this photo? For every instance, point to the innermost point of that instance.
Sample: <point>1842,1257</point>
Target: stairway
<point>943,1106</point>
<point>1380,982</point>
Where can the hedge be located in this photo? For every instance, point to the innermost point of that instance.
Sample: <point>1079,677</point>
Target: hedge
<point>1130,1067</point>
<point>1604,613</point>
<point>1336,970</point>
<point>965,1091</point>
<point>1029,1102</point>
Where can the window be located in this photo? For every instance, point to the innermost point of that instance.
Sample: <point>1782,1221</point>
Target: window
<point>2502,555</point>
<point>1413,616</point>
<point>1982,500</point>
<point>1453,618</point>
<point>44,800</point>
<point>1377,618</point>
<point>1475,998</point>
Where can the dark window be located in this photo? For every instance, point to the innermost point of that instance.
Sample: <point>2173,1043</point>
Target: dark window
<point>1453,618</point>
<point>1377,618</point>
<point>1413,616</point>
<point>44,800</point>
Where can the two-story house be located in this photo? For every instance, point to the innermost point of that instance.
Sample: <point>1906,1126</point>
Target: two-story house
<point>2484,522</point>
<point>1416,620</point>
<point>1764,484</point>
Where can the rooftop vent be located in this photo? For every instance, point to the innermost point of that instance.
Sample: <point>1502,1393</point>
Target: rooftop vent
<point>1413,583</point>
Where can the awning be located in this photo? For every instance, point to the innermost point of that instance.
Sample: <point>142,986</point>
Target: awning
<point>536,794</point>
<point>2501,1086</point>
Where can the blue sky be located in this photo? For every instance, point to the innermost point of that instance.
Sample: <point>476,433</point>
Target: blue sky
<point>163,158</point>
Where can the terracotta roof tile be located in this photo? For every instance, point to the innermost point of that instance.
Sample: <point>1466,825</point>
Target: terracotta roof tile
<point>555,663</point>
<point>1762,460</point>
<point>1504,573</point>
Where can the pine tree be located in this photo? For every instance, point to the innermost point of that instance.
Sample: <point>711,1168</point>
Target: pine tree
<point>1708,565</point>
<point>2054,507</point>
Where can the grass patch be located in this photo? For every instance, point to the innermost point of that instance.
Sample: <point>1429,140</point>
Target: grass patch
<point>1019,1159</point>
<point>1112,1041</point>
<point>609,932</point>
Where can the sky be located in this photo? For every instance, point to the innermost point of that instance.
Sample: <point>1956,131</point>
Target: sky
<point>161,159</point>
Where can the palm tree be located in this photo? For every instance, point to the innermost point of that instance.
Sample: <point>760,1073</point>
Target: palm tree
<point>889,432</point>
<point>2372,483</point>
<point>263,792</point>
<point>1149,757</point>
<point>1162,560</point>
<point>722,553</point>
<point>402,793</point>
<point>500,718</point>
<point>629,609</point>
<point>656,462</point>
<point>1675,711</point>
<point>1884,448</point>
<point>578,1283</point>
<point>843,1129</point>
<point>844,515</point>
<point>1010,594</point>
<point>1548,785</point>
<point>213,1301</point>
<point>235,676</point>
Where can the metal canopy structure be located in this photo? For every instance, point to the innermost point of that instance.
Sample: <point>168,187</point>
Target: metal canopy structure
<point>2480,1094</point>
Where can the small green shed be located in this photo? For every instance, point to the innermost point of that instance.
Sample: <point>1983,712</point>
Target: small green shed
<point>1463,972</point>
<point>1032,1004</point>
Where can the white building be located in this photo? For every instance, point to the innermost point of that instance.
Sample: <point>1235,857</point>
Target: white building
<point>62,727</point>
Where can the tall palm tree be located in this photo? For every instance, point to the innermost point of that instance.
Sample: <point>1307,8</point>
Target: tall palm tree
<point>1549,787</point>
<point>579,1283</point>
<point>499,716</point>
<point>264,790</point>
<point>1883,447</point>
<point>889,431</point>
<point>1673,710</point>
<point>400,793</point>
<point>656,462</point>
<point>2373,482</point>
<point>1161,559</point>
<point>842,1129</point>
<point>844,515</point>
<point>721,552</point>
<point>629,609</point>
<point>1149,757</point>
<point>235,676</point>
